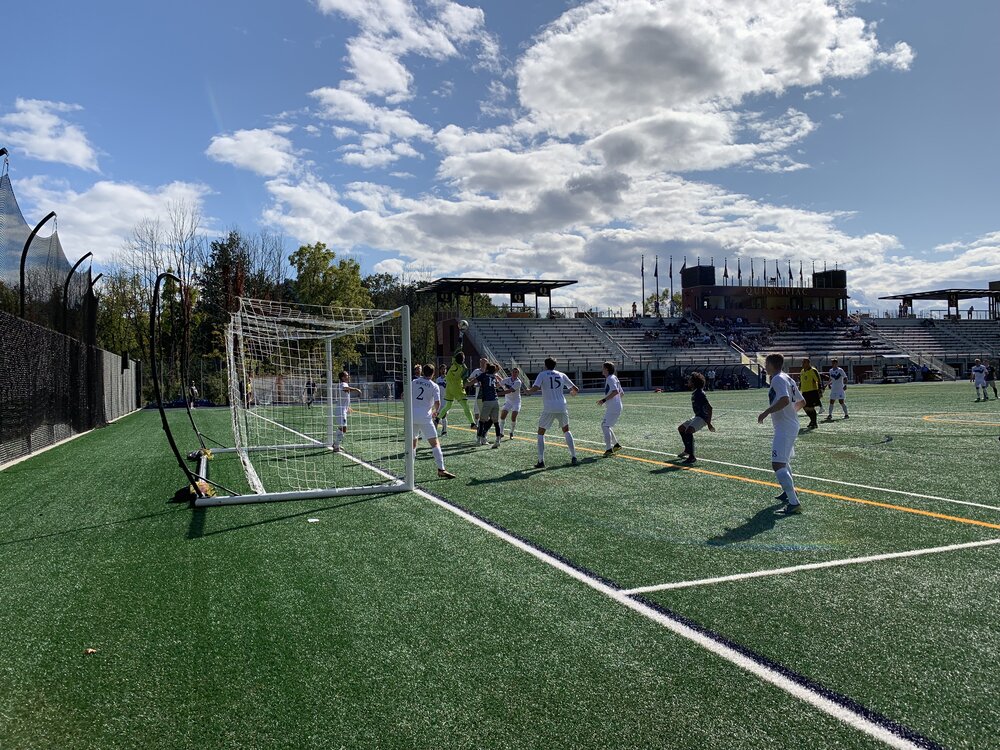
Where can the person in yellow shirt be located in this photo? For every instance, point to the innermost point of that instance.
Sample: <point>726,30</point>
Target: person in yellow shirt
<point>454,391</point>
<point>812,391</point>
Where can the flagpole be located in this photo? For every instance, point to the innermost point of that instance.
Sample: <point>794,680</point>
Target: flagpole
<point>642,271</point>
<point>656,274</point>
<point>671,308</point>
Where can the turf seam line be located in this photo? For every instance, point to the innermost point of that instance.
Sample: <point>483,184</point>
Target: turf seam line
<point>810,566</point>
<point>840,707</point>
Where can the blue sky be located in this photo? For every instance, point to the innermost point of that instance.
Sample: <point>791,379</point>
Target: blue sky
<point>524,138</point>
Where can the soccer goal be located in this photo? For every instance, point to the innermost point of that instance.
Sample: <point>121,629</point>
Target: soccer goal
<point>320,401</point>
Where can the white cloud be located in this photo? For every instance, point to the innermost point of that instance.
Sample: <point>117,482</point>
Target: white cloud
<point>99,218</point>
<point>39,129</point>
<point>348,106</point>
<point>376,70</point>
<point>613,61</point>
<point>266,152</point>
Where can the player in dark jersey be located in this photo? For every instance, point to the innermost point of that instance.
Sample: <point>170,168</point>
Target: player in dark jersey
<point>702,416</point>
<point>489,408</point>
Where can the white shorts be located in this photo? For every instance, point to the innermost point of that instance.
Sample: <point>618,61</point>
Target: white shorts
<point>548,417</point>
<point>612,413</point>
<point>695,423</point>
<point>980,383</point>
<point>425,430</point>
<point>837,394</point>
<point>783,446</point>
<point>509,405</point>
<point>340,416</point>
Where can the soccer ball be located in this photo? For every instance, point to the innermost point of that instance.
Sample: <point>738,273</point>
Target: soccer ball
<point>463,325</point>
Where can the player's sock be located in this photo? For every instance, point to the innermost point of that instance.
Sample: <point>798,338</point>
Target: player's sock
<point>570,444</point>
<point>607,437</point>
<point>438,456</point>
<point>541,448</point>
<point>784,476</point>
<point>844,407</point>
<point>338,438</point>
<point>503,425</point>
<point>498,431</point>
<point>614,438</point>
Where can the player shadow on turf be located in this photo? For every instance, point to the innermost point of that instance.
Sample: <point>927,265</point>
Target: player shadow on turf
<point>671,466</point>
<point>763,520</point>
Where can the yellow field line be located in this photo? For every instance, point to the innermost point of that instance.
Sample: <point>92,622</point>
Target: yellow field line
<point>763,483</point>
<point>935,418</point>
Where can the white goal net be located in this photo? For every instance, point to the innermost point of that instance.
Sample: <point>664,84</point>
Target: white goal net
<point>319,400</point>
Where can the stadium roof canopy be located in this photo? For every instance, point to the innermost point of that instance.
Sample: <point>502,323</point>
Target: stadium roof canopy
<point>943,295</point>
<point>462,286</point>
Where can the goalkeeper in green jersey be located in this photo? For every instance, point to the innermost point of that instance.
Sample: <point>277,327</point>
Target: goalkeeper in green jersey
<point>454,391</point>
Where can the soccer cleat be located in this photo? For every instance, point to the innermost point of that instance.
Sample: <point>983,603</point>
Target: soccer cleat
<point>847,416</point>
<point>783,497</point>
<point>829,419</point>
<point>444,432</point>
<point>573,461</point>
<point>445,474</point>
<point>495,445</point>
<point>608,452</point>
<point>616,447</point>
<point>472,426</point>
<point>689,460</point>
<point>791,510</point>
<point>540,465</point>
<point>512,436</point>
<point>682,454</point>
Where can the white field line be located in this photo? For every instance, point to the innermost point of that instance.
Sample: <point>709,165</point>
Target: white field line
<point>810,566</point>
<point>762,671</point>
<point>805,476</point>
<point>40,451</point>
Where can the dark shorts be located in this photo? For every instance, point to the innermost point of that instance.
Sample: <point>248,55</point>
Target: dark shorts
<point>812,398</point>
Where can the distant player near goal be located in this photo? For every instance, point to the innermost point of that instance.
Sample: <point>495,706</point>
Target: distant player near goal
<point>785,400</point>
<point>551,383</point>
<point>310,392</point>
<point>342,407</point>
<point>702,416</point>
<point>612,403</point>
<point>838,389</point>
<point>991,377</point>
<point>979,371</point>
<point>426,399</point>
<point>512,387</point>
<point>811,387</point>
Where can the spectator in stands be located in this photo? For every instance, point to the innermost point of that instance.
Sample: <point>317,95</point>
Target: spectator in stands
<point>635,310</point>
<point>972,311</point>
<point>711,379</point>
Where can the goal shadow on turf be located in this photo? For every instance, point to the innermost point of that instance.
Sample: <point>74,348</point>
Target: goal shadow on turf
<point>196,527</point>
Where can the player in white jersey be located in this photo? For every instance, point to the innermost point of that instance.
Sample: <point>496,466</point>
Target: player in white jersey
<point>512,387</point>
<point>979,378</point>
<point>483,362</point>
<point>551,383</point>
<point>612,403</point>
<point>785,401</point>
<point>838,389</point>
<point>342,407</point>
<point>425,396</point>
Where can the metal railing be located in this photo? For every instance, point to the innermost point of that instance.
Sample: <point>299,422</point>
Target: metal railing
<point>615,344</point>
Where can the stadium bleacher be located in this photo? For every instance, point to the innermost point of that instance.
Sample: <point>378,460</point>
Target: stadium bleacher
<point>945,340</point>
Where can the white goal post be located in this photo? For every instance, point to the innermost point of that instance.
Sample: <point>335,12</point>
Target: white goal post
<point>319,400</point>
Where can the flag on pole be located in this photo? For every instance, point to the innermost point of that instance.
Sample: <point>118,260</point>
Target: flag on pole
<point>777,270</point>
<point>685,265</point>
<point>739,272</point>
<point>802,281</point>
<point>725,272</point>
<point>656,268</point>
<point>751,272</point>
<point>642,267</point>
<point>791,276</point>
<point>670,271</point>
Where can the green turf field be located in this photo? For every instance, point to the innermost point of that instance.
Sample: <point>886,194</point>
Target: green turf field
<point>394,622</point>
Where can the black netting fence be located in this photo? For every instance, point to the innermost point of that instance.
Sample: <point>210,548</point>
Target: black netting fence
<point>53,387</point>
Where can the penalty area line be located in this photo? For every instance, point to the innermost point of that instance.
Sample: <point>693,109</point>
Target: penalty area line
<point>840,707</point>
<point>810,566</point>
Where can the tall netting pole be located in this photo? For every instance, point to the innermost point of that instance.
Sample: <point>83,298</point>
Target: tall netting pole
<point>331,425</point>
<point>409,478</point>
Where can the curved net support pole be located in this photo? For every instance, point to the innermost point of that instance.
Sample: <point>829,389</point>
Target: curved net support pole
<point>24,257</point>
<point>155,374</point>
